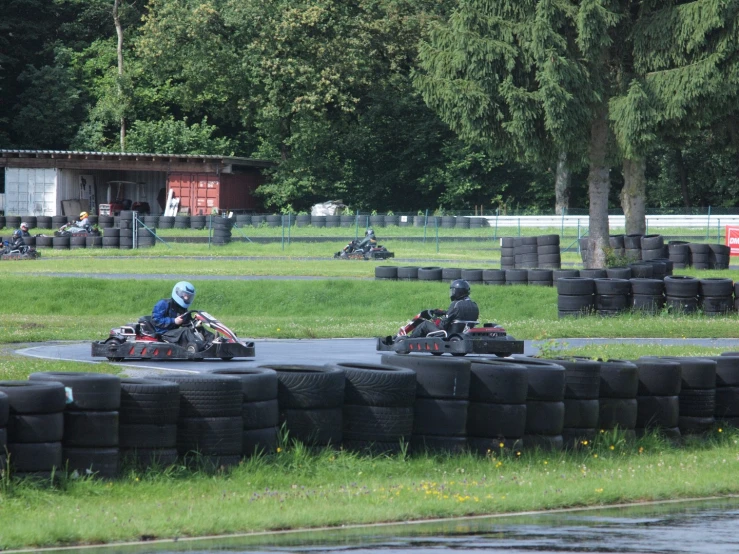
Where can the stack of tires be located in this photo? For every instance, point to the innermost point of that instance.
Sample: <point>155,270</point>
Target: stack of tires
<point>148,422</point>
<point>496,417</point>
<point>125,239</point>
<point>386,272</point>
<point>245,219</point>
<point>181,222</point>
<point>111,237</point>
<point>145,238</point>
<point>209,423</point>
<point>716,296</point>
<point>44,242</point>
<point>166,221</point>
<point>727,388</point>
<point>260,409</point>
<point>493,276</point>
<point>94,241</point>
<point>77,241</point>
<point>91,420</point>
<point>221,230</point>
<point>507,253</point>
<point>34,413</point>
<point>472,276</point>
<point>658,401</point>
<point>428,273</point>
<point>652,247</point>
<point>516,276</point>
<point>60,243</point>
<point>311,399</point>
<point>442,400</point>
<point>616,243</point>
<point>198,221</point>
<point>612,296</point>
<point>56,221</point>
<point>719,256</point>
<point>632,247</point>
<point>575,296</point>
<point>407,273</point>
<point>378,407</point>
<point>525,252</point>
<point>545,407</point>
<point>700,255</point>
<point>540,277</point>
<point>619,384</point>
<point>697,396</point>
<point>43,222</point>
<point>581,399</point>
<point>681,293</point>
<point>548,253</point>
<point>647,295</point>
<point>678,252</point>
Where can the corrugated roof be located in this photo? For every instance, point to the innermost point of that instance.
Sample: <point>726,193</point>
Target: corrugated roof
<point>10,153</point>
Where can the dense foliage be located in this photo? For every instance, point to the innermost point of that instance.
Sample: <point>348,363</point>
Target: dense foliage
<point>327,89</point>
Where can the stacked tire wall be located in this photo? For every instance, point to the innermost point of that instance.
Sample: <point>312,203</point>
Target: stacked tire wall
<point>581,400</point>
<point>530,252</point>
<point>727,388</point>
<point>619,384</point>
<point>658,401</point>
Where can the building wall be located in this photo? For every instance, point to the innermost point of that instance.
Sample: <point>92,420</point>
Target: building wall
<point>30,191</point>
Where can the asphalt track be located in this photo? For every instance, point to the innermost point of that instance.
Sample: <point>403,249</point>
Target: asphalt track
<point>312,352</point>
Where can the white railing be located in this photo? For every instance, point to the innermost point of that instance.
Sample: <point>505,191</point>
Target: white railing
<point>614,221</point>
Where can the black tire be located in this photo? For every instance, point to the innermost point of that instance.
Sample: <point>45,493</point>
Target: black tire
<point>313,426</point>
<point>658,377</point>
<point>681,286</point>
<point>727,402</point>
<point>609,286</point>
<point>438,444</point>
<point>102,462</point>
<point>35,428</point>
<point>34,397</point>
<point>434,416</point>
<point>493,276</point>
<point>260,440</point>
<point>378,385</point>
<point>110,242</point>
<point>611,302</point>
<point>136,435</point>
<point>540,275</point>
<point>260,414</point>
<point>546,380</point>
<point>727,370</point>
<point>545,240</point>
<point>60,243</point>
<point>206,395</point>
<point>496,420</point>
<point>498,383</point>
<point>377,423</point>
<point>35,456</point>
<point>647,286</point>
<point>618,272</point>
<point>716,286</point>
<point>582,378</point>
<point>618,379</point>
<point>564,274</point>
<point>595,273</point>
<point>516,276</point>
<point>210,436</point>
<point>548,250</point>
<point>695,425</point>
<point>4,409</point>
<point>544,418</point>
<point>90,429</point>
<point>642,271</point>
<point>575,286</point>
<point>451,273</point>
<point>617,412</point>
<point>429,274</point>
<point>681,304</point>
<point>309,386</point>
<point>149,401</point>
<point>699,248</point>
<point>573,303</point>
<point>386,272</point>
<point>657,411</point>
<point>581,414</point>
<point>44,242</point>
<point>407,273</point>
<point>716,305</point>
<point>472,275</point>
<point>697,402</point>
<point>435,378</point>
<point>257,383</point>
<point>77,242</point>
<point>90,391</point>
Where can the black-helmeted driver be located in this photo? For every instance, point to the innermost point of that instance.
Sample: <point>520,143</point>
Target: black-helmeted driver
<point>462,308</point>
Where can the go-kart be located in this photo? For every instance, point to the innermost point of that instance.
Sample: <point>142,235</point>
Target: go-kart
<point>377,252</point>
<point>139,341</point>
<point>71,230</point>
<point>464,337</point>
<point>18,252</point>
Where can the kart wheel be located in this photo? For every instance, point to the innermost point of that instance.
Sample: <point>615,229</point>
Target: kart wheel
<point>459,354</point>
<point>115,359</point>
<point>436,353</point>
<point>227,358</point>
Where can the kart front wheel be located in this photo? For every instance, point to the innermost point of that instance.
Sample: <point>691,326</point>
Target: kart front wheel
<point>227,358</point>
<point>115,359</point>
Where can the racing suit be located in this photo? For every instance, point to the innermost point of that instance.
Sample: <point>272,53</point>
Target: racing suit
<point>163,315</point>
<point>464,309</point>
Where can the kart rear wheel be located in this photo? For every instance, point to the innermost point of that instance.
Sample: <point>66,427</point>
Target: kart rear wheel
<point>115,359</point>
<point>227,358</point>
<point>436,353</point>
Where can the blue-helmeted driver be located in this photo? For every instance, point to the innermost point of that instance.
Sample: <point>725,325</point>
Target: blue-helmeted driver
<point>171,319</point>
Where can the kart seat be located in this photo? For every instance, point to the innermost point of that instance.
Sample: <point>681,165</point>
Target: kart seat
<point>146,327</point>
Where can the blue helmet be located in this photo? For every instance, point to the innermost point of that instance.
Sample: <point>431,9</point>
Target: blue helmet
<point>183,293</point>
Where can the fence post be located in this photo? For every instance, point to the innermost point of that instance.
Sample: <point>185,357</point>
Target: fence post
<point>578,235</point>
<point>426,224</point>
<point>282,222</point>
<point>356,225</point>
<point>495,232</point>
<point>289,224</point>
<point>437,234</point>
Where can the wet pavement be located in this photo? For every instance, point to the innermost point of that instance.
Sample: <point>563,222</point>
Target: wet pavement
<point>699,527</point>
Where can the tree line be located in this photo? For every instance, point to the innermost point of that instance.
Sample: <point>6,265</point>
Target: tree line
<point>397,104</point>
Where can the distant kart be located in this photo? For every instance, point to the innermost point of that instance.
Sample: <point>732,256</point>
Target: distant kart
<point>23,252</point>
<point>375,253</point>
<point>71,230</point>
<point>139,341</point>
<point>463,338</point>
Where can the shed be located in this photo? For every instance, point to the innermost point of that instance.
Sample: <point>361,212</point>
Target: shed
<point>45,182</point>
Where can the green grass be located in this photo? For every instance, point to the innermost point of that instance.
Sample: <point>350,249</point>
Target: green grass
<point>296,488</point>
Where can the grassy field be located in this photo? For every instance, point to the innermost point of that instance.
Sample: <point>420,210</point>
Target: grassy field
<point>293,487</point>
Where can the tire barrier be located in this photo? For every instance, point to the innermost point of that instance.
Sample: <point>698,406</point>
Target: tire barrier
<point>87,422</point>
<point>221,230</point>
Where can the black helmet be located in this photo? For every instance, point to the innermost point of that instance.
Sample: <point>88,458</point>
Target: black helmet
<point>459,289</point>
<point>370,232</point>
